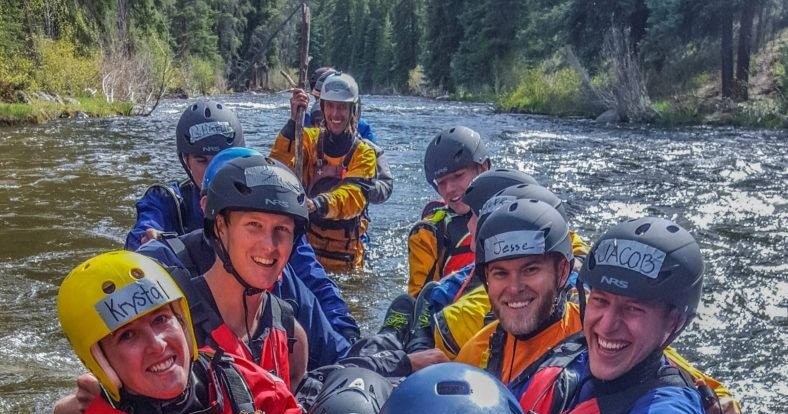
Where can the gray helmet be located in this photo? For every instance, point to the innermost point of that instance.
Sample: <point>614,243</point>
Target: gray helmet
<point>523,191</point>
<point>486,184</point>
<point>523,228</point>
<point>318,74</point>
<point>453,149</point>
<point>207,127</point>
<point>339,87</point>
<point>352,390</point>
<point>321,80</point>
<point>255,183</point>
<point>451,388</point>
<point>648,258</point>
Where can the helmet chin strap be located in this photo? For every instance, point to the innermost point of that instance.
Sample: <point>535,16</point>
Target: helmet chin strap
<point>249,290</point>
<point>224,256</point>
<point>181,158</point>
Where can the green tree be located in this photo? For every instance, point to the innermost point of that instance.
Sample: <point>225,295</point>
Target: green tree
<point>590,20</point>
<point>192,30</point>
<point>486,53</point>
<point>339,30</point>
<point>442,36</point>
<point>406,37</point>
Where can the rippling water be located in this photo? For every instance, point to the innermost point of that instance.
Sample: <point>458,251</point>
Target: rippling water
<point>67,191</point>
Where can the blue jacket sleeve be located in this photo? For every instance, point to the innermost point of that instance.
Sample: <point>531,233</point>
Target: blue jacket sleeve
<point>365,130</point>
<point>666,400</point>
<point>156,209</point>
<point>160,209</point>
<point>306,267</point>
<point>326,346</point>
<point>443,294</point>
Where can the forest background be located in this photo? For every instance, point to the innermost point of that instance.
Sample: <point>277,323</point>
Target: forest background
<point>666,61</point>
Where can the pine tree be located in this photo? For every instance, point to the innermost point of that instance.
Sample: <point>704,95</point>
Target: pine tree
<point>442,37</point>
<point>406,38</point>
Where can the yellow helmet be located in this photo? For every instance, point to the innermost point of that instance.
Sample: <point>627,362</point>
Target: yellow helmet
<point>107,292</point>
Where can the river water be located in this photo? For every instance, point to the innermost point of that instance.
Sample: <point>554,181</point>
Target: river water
<point>67,191</point>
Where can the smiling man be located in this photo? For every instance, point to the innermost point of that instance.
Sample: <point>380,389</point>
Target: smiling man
<point>439,244</point>
<point>646,277</point>
<point>339,168</point>
<point>523,256</point>
<point>129,323</point>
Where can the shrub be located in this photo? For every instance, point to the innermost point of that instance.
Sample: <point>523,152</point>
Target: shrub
<point>555,93</point>
<point>63,70</point>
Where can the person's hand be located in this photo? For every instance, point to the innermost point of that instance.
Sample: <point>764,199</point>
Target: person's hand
<point>88,388</point>
<point>723,405</point>
<point>421,359</point>
<point>727,404</point>
<point>150,234</point>
<point>299,100</point>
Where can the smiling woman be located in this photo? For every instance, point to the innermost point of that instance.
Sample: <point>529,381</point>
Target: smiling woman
<point>130,324</point>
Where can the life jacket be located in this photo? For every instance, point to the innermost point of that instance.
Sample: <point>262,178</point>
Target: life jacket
<point>270,345</point>
<point>220,384</point>
<point>194,253</point>
<point>336,242</point>
<point>213,369</point>
<point>180,204</point>
<point>553,384</point>
<point>452,244</point>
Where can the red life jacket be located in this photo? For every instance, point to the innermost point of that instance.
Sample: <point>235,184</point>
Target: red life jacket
<point>459,255</point>
<point>554,384</point>
<point>234,386</point>
<point>270,345</point>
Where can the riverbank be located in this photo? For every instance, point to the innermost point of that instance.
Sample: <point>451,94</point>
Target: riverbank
<point>38,111</point>
<point>687,94</point>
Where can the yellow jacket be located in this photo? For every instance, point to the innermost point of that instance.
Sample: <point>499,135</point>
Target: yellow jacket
<point>337,246</point>
<point>438,245</point>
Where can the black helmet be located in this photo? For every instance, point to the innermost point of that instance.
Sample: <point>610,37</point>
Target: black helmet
<point>255,183</point>
<point>453,149</point>
<point>352,390</point>
<point>524,191</point>
<point>523,228</point>
<point>451,388</point>
<point>648,258</point>
<point>486,184</point>
<point>207,127</point>
<point>318,74</point>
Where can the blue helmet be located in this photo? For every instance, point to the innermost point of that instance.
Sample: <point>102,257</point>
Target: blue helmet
<point>222,158</point>
<point>451,388</point>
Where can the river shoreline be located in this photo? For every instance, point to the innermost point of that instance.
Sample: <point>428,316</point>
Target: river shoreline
<point>757,114</point>
<point>39,111</point>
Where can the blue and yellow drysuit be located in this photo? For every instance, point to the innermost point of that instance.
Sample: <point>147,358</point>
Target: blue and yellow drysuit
<point>337,183</point>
